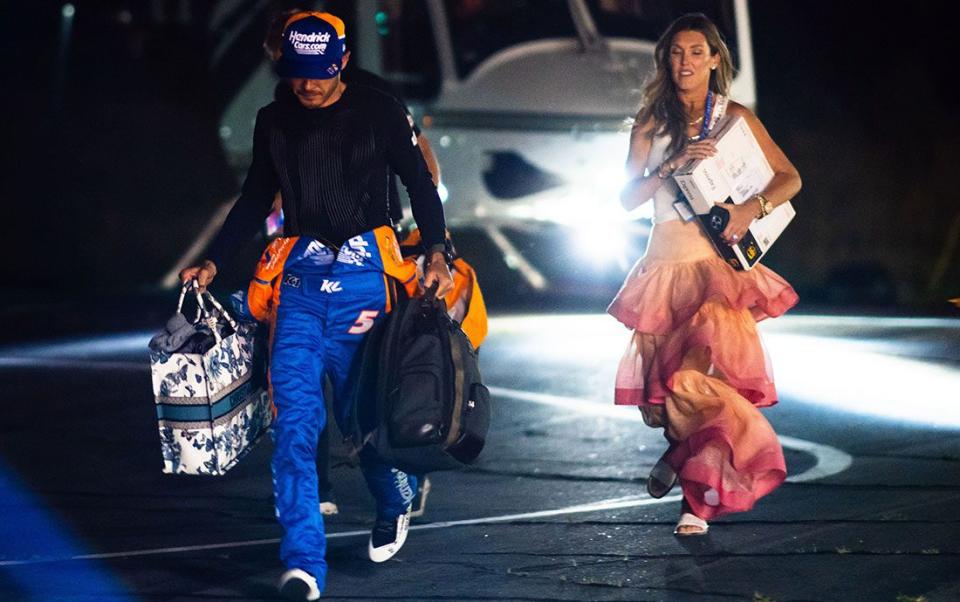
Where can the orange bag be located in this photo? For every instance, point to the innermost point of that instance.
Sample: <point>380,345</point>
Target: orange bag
<point>465,302</point>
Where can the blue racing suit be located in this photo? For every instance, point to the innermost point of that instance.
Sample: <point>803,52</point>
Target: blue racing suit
<point>331,165</point>
<point>327,302</point>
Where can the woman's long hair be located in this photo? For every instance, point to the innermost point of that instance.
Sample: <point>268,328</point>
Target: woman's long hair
<point>660,99</point>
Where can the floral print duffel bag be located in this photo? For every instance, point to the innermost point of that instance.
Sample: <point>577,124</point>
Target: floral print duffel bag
<point>209,384</point>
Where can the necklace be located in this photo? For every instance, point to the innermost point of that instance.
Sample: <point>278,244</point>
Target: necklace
<point>705,118</point>
<point>695,121</point>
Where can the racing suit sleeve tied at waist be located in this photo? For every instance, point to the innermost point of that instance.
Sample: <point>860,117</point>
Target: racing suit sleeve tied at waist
<point>377,250</point>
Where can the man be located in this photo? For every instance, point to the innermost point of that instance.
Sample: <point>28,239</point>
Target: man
<point>351,75</point>
<point>328,148</point>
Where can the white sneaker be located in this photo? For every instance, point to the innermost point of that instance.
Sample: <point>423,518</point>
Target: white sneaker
<point>388,536</point>
<point>297,584</point>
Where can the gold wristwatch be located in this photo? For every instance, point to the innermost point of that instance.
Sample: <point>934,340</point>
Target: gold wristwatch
<point>766,207</point>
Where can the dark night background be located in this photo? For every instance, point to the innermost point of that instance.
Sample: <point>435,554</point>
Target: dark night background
<point>112,164</point>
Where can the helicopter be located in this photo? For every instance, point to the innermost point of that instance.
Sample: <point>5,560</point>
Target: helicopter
<point>527,106</point>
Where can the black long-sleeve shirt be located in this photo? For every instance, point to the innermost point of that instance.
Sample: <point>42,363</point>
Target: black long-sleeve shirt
<point>331,166</point>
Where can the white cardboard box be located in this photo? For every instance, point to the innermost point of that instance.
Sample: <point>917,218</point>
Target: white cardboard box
<point>738,171</point>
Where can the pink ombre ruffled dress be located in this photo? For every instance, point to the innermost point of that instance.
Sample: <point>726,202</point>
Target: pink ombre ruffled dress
<point>695,363</point>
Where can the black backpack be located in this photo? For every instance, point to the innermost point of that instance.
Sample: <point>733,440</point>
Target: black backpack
<point>421,405</point>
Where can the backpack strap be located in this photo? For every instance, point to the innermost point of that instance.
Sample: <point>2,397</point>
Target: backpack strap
<point>456,354</point>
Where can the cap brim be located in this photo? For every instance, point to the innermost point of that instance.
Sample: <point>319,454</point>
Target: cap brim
<point>307,70</point>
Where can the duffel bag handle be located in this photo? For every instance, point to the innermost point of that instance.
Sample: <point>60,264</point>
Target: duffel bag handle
<point>188,286</point>
<point>429,301</point>
<point>223,312</point>
<point>203,314</point>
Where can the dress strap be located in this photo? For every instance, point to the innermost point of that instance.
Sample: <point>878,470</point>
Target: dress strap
<point>719,110</point>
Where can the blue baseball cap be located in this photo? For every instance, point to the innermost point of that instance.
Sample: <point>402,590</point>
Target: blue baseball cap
<point>313,46</point>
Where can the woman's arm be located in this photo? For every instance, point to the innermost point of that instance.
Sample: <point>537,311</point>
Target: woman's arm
<point>640,185</point>
<point>646,179</point>
<point>784,186</point>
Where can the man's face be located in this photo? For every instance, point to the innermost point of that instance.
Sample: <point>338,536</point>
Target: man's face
<point>315,93</point>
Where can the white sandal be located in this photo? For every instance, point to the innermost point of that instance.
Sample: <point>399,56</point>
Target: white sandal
<point>691,520</point>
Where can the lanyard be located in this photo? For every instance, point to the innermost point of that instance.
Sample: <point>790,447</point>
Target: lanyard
<point>707,114</point>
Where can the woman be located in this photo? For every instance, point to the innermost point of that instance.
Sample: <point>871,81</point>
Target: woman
<point>695,364</point>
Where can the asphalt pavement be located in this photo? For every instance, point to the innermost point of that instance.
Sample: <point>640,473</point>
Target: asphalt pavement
<point>555,509</point>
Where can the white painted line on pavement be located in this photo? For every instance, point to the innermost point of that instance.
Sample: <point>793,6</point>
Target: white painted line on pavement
<point>69,364</point>
<point>830,461</point>
<point>611,504</point>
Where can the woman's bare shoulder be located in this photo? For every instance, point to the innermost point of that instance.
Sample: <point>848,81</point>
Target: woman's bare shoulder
<point>778,160</point>
<point>735,108</point>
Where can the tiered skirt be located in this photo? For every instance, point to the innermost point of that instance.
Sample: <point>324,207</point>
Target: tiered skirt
<point>697,367</point>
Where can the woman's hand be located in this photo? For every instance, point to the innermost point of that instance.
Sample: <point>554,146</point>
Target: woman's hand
<point>701,149</point>
<point>741,216</point>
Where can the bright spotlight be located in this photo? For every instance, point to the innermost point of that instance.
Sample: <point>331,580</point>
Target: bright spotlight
<point>601,241</point>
